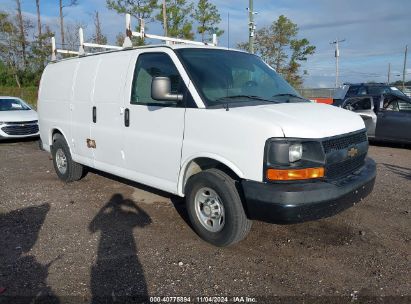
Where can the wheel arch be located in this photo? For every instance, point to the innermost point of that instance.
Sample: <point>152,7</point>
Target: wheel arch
<point>55,131</point>
<point>203,162</point>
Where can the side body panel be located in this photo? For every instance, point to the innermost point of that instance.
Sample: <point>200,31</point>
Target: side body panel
<point>55,96</point>
<point>107,131</point>
<point>81,109</point>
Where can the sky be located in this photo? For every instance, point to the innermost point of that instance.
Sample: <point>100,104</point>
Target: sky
<point>375,31</point>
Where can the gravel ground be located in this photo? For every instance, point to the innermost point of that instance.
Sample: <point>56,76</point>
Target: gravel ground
<point>102,238</point>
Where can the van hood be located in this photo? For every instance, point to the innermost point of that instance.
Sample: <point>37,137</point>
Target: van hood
<point>305,120</point>
<point>19,115</point>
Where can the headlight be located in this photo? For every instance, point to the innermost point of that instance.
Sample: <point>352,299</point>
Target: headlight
<point>295,152</point>
<point>293,159</point>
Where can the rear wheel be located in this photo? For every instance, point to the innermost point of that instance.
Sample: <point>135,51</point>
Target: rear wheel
<point>215,208</point>
<point>67,169</point>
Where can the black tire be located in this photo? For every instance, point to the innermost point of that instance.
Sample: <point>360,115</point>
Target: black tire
<point>236,225</point>
<point>40,143</point>
<point>74,171</point>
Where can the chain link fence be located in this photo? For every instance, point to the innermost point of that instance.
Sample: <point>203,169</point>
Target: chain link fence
<point>317,92</point>
<point>329,92</point>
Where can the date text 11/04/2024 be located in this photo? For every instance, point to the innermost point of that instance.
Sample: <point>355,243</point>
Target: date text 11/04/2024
<point>236,299</point>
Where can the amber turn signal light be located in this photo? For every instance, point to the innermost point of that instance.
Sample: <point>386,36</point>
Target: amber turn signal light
<point>294,174</point>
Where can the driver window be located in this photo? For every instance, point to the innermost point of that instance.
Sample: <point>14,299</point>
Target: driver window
<point>349,103</point>
<point>358,104</point>
<point>390,105</point>
<point>397,105</point>
<point>148,66</point>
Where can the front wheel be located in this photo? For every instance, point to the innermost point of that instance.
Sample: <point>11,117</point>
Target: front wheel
<point>67,169</point>
<point>215,208</point>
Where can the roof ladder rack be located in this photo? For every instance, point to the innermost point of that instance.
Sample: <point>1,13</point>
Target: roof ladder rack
<point>81,51</point>
<point>127,41</point>
<point>142,34</point>
<point>54,50</point>
<point>93,45</point>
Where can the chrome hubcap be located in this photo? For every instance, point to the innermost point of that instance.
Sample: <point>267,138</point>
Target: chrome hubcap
<point>61,161</point>
<point>209,209</point>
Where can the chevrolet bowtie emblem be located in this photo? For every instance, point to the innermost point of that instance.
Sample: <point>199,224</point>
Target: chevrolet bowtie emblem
<point>352,152</point>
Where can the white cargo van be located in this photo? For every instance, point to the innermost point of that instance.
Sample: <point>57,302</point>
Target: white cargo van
<point>216,126</point>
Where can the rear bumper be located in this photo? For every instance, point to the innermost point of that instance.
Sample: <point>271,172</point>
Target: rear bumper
<point>299,202</point>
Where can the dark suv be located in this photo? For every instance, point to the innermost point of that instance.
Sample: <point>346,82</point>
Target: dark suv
<point>359,89</point>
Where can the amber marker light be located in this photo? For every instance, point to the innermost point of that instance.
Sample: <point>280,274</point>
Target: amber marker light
<point>294,174</point>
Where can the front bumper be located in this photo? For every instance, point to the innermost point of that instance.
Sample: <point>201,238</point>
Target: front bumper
<point>288,203</point>
<point>17,130</point>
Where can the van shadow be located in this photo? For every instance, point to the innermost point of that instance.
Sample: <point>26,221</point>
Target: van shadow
<point>178,202</point>
<point>23,278</point>
<point>117,275</point>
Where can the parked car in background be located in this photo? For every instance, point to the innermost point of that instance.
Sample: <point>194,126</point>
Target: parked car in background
<point>407,91</point>
<point>376,90</point>
<point>17,119</point>
<point>386,117</point>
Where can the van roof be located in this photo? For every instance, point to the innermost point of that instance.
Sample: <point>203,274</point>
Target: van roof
<point>172,46</point>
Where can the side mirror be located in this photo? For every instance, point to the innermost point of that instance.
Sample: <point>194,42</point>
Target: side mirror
<point>161,90</point>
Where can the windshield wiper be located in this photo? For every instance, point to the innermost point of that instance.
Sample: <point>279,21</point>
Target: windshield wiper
<point>244,96</point>
<point>289,95</point>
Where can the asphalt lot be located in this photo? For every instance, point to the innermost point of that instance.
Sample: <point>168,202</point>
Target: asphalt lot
<point>103,238</point>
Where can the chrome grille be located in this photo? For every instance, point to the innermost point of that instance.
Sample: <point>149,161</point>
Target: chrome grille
<point>21,129</point>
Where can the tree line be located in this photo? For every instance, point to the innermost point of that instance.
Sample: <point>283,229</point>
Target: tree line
<point>25,46</point>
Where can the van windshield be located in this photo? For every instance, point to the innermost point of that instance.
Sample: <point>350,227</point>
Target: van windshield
<point>223,76</point>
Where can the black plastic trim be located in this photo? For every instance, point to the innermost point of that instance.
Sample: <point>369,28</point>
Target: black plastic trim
<point>298,202</point>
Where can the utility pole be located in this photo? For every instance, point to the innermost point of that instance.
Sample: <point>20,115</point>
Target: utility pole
<point>389,73</point>
<point>165,17</point>
<point>61,22</point>
<point>251,27</point>
<point>404,69</point>
<point>337,55</point>
<point>38,18</point>
<point>22,35</point>
<point>228,29</point>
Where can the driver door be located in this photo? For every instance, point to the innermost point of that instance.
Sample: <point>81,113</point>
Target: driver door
<point>153,136</point>
<point>394,119</point>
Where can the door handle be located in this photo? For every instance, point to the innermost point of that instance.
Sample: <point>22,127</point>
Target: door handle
<point>127,117</point>
<point>94,114</point>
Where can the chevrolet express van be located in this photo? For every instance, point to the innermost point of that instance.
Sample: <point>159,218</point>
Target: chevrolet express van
<point>219,127</point>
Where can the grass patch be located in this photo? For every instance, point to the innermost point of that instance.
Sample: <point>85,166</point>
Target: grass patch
<point>28,94</point>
